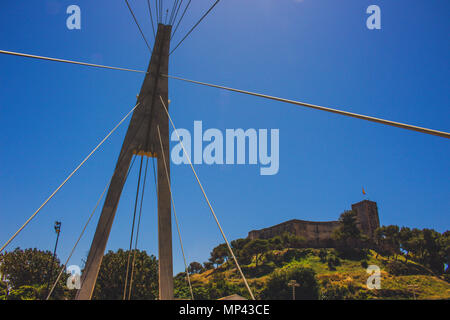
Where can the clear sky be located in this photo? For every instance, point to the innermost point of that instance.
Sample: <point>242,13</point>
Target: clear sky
<point>316,51</point>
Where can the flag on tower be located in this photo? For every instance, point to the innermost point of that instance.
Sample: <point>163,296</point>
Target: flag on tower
<point>363,191</point>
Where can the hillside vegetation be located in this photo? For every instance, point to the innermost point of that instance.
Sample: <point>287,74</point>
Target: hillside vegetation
<point>411,263</point>
<point>343,278</point>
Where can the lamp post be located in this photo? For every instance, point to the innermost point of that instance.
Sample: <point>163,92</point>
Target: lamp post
<point>413,287</point>
<point>293,284</point>
<point>57,228</point>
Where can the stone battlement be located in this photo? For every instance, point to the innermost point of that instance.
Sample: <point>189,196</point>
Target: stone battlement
<point>319,234</point>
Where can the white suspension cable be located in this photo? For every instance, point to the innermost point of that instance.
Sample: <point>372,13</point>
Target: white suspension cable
<point>84,229</point>
<point>139,27</point>
<point>208,202</point>
<point>76,243</point>
<point>308,105</point>
<point>442,134</point>
<point>67,61</point>
<point>67,179</point>
<point>137,231</point>
<point>175,214</point>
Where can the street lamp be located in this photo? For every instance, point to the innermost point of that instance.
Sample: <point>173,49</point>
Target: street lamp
<point>413,287</point>
<point>57,228</point>
<point>293,284</point>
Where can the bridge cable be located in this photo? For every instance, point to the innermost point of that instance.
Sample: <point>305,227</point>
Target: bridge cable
<point>121,156</point>
<point>154,174</point>
<point>137,23</point>
<point>12,53</point>
<point>192,29</point>
<point>344,113</point>
<point>137,230</point>
<point>132,228</point>
<point>363,117</point>
<point>142,197</point>
<point>151,19</point>
<point>82,233</point>
<point>184,12</point>
<point>156,12</point>
<point>176,12</point>
<point>208,202</point>
<point>67,179</point>
<point>160,11</point>
<point>172,12</point>
<point>175,214</point>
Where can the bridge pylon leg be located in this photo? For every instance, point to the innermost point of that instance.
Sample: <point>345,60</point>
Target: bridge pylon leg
<point>141,139</point>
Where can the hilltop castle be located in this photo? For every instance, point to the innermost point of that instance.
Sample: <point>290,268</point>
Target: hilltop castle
<point>318,234</point>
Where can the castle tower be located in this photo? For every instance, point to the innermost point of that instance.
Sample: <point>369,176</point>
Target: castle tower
<point>367,214</point>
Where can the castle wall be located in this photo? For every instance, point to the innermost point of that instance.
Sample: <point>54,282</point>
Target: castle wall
<point>319,234</point>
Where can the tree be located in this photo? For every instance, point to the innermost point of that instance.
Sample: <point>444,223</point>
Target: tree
<point>392,239</point>
<point>417,243</point>
<point>432,257</point>
<point>221,252</point>
<point>27,272</point>
<point>445,250</point>
<point>405,237</point>
<point>239,244</point>
<point>219,287</point>
<point>208,265</point>
<point>214,260</point>
<point>181,287</point>
<point>276,243</point>
<point>27,293</point>
<point>195,267</point>
<point>277,284</point>
<point>111,278</point>
<point>290,240</point>
<point>378,238</point>
<point>348,232</point>
<point>349,240</point>
<point>388,240</point>
<point>256,248</point>
<point>426,246</point>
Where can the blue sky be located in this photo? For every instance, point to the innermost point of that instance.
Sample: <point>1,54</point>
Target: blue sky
<point>52,115</point>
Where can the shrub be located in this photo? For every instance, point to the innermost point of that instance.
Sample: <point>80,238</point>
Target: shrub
<point>352,253</point>
<point>323,253</point>
<point>26,293</point>
<point>330,291</point>
<point>398,268</point>
<point>277,286</point>
<point>333,262</point>
<point>258,271</point>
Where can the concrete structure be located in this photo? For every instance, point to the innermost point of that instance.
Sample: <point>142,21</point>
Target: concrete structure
<point>318,234</point>
<point>141,139</point>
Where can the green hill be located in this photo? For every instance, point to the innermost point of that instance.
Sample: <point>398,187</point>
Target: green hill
<point>407,264</point>
<point>336,277</point>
